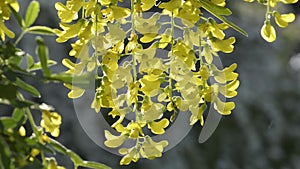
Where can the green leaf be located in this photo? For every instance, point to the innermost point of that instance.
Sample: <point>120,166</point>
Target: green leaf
<point>30,61</point>
<point>15,60</point>
<point>218,12</point>
<point>37,65</point>
<point>32,13</point>
<point>36,164</point>
<point>19,116</point>
<point>5,152</point>
<point>58,146</point>
<point>94,165</point>
<point>41,30</point>
<point>215,9</point>
<point>8,91</point>
<point>27,87</point>
<point>42,52</point>
<point>62,77</point>
<point>84,81</point>
<point>17,16</point>
<point>8,123</point>
<point>21,104</point>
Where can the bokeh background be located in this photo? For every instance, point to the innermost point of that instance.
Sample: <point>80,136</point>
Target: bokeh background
<point>263,131</point>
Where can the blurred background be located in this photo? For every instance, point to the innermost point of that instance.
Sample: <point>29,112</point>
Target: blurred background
<point>263,131</point>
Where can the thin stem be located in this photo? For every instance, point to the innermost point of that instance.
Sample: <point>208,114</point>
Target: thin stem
<point>78,161</point>
<point>172,46</point>
<point>268,11</point>
<point>33,126</point>
<point>133,56</point>
<point>132,33</point>
<point>96,48</point>
<point>200,48</point>
<point>44,162</point>
<point>20,37</point>
<point>29,115</point>
<point>83,11</point>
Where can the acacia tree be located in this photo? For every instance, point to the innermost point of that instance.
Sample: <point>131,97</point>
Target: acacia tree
<point>153,88</point>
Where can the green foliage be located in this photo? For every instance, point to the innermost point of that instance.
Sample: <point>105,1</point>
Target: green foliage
<point>157,88</point>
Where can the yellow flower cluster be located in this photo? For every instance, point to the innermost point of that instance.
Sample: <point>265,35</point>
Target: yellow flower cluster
<point>51,122</point>
<point>148,85</point>
<point>268,31</point>
<point>5,13</point>
<point>52,164</point>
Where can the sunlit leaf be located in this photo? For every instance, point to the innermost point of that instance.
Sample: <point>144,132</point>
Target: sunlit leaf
<point>27,87</point>
<point>41,30</point>
<point>32,13</point>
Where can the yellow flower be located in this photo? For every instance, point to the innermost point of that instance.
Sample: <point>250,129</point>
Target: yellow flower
<point>268,32</point>
<point>115,12</point>
<point>215,29</point>
<point>133,92</point>
<point>147,4</point>
<point>152,111</point>
<point>158,127</point>
<point>132,45</point>
<point>76,48</point>
<point>170,7</point>
<point>90,6</point>
<point>229,90</point>
<point>166,38</point>
<point>283,20</point>
<point>75,92</point>
<point>5,9</point>
<point>132,154</point>
<point>225,46</point>
<point>204,72</point>
<point>103,96</point>
<point>198,115</point>
<point>149,83</point>
<point>67,13</point>
<point>151,149</point>
<point>219,2</point>
<point>51,122</point>
<point>114,141</point>
<point>105,2</point>
<point>69,31</point>
<point>86,32</point>
<point>189,13</point>
<point>185,53</point>
<point>111,61</point>
<point>223,108</point>
<point>33,153</point>
<point>22,131</point>
<point>135,130</point>
<point>53,165</point>
<point>225,75</point>
<point>5,31</point>
<point>289,1</point>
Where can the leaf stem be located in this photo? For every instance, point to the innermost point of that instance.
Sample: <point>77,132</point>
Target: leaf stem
<point>20,37</point>
<point>200,46</point>
<point>133,55</point>
<point>172,46</point>
<point>268,11</point>
<point>77,160</point>
<point>33,126</point>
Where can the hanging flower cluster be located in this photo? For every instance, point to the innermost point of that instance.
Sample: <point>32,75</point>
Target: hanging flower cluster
<point>268,31</point>
<point>154,88</point>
